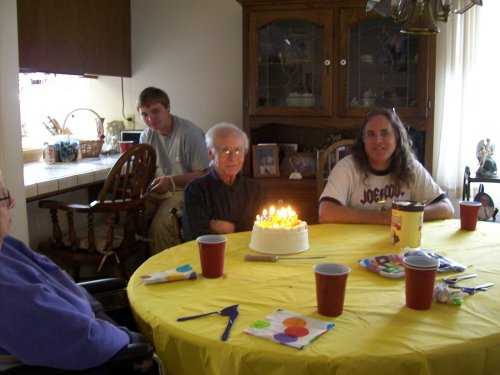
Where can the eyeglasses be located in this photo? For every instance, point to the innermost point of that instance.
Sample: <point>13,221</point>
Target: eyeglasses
<point>5,196</point>
<point>227,152</point>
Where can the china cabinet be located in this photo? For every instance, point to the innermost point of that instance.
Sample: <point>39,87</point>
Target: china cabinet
<point>325,64</point>
<point>75,37</point>
<point>312,69</point>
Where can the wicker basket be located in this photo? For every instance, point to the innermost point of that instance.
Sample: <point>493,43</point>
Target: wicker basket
<point>91,149</point>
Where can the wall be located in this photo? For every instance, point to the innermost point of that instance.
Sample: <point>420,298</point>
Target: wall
<point>11,159</point>
<point>190,48</point>
<point>193,50</point>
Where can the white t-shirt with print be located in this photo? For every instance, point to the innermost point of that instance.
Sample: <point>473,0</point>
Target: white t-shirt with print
<point>347,185</point>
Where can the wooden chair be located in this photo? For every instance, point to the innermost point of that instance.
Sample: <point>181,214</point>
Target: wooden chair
<point>120,201</point>
<point>177,225</point>
<point>327,160</point>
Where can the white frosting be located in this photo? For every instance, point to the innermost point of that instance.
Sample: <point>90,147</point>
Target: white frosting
<point>280,240</point>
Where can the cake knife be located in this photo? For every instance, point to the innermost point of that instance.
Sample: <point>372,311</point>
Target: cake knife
<point>274,258</point>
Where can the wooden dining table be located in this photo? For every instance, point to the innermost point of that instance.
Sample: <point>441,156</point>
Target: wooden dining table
<point>376,332</point>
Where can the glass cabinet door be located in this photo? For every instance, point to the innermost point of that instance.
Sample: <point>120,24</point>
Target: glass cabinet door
<point>383,67</point>
<point>290,63</point>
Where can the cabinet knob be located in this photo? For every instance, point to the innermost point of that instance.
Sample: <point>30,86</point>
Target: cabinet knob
<point>343,62</point>
<point>327,62</point>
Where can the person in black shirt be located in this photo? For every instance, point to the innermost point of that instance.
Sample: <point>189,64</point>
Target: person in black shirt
<point>222,201</point>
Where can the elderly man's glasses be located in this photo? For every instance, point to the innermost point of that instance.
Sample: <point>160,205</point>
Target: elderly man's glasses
<point>227,152</point>
<point>5,196</point>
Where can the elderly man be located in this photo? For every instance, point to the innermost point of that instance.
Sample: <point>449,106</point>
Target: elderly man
<point>223,201</point>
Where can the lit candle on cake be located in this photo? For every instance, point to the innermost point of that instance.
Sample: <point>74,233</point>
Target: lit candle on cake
<point>281,218</point>
<point>279,231</point>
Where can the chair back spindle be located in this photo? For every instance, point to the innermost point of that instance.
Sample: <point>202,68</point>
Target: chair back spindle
<point>327,160</point>
<point>121,200</point>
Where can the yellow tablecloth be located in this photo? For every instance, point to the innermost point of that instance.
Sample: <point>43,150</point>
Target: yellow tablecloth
<point>376,333</point>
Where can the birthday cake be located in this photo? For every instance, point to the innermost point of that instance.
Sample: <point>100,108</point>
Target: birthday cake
<point>279,232</point>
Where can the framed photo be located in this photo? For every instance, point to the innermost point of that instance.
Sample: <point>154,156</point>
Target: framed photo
<point>283,150</point>
<point>303,162</point>
<point>265,160</point>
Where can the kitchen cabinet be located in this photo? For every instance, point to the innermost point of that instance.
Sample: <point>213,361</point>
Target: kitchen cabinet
<point>75,36</point>
<point>326,63</point>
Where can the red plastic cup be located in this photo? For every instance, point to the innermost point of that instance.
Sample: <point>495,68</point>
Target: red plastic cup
<point>331,280</point>
<point>469,211</point>
<point>420,274</point>
<point>125,146</point>
<point>212,248</point>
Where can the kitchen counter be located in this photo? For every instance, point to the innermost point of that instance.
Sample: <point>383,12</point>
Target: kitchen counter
<point>42,180</point>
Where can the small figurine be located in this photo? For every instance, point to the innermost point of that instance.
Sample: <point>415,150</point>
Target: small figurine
<point>484,154</point>
<point>295,175</point>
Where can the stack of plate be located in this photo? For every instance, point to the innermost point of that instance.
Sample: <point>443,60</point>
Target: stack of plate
<point>367,59</point>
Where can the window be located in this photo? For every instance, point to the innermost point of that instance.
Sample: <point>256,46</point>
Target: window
<point>42,95</point>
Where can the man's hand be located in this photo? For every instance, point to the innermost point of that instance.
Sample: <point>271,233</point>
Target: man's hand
<point>161,185</point>
<point>221,226</point>
<point>136,337</point>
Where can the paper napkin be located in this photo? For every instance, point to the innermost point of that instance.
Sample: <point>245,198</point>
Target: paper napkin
<point>174,274</point>
<point>288,328</point>
<point>445,264</point>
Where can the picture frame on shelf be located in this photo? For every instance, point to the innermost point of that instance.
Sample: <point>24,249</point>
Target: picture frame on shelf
<point>265,160</point>
<point>283,150</point>
<point>304,163</point>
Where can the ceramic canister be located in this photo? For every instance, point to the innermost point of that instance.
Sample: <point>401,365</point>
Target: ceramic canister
<point>406,223</point>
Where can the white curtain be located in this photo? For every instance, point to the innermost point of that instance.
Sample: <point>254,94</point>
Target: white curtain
<point>467,107</point>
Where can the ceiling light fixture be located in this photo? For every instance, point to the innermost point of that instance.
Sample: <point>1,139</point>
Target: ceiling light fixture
<point>419,16</point>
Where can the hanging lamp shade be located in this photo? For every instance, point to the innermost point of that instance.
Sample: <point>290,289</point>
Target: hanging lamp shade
<point>422,20</point>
